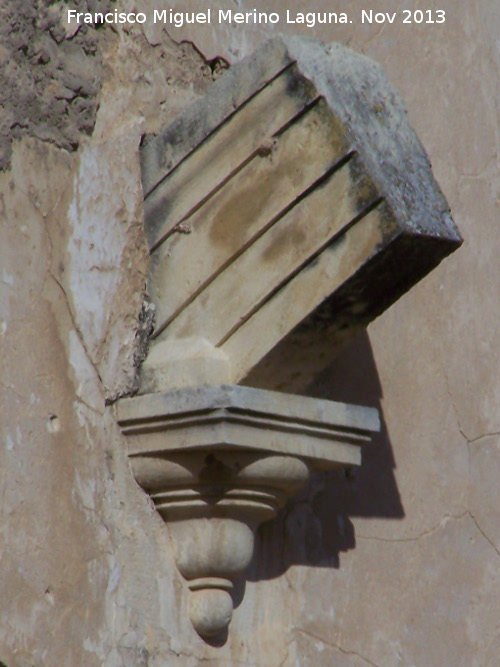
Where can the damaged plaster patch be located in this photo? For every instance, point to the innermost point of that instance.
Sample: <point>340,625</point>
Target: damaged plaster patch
<point>86,381</point>
<point>106,259</point>
<point>106,264</point>
<point>152,82</point>
<point>52,84</point>
<point>100,257</point>
<point>49,81</point>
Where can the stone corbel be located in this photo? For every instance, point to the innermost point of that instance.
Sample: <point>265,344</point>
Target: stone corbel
<point>284,211</point>
<point>218,461</point>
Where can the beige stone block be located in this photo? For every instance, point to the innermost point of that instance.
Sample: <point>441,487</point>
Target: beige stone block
<point>193,181</point>
<point>183,362</point>
<point>323,209</point>
<point>254,339</point>
<point>272,262</point>
<point>259,196</point>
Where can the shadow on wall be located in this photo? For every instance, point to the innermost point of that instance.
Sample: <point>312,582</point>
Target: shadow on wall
<point>316,527</point>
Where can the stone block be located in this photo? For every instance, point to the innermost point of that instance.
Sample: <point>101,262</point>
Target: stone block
<point>286,209</point>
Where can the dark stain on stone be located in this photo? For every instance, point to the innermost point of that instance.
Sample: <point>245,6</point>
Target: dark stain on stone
<point>284,241</point>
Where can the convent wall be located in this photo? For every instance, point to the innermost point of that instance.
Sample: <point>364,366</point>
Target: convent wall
<point>398,564</point>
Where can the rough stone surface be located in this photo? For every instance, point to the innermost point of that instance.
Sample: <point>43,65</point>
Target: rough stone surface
<point>397,565</point>
<point>360,99</point>
<point>50,79</point>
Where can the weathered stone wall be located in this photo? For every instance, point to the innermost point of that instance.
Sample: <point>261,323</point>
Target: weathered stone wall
<point>399,564</point>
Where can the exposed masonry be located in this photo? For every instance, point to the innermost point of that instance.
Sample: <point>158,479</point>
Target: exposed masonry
<point>56,82</point>
<point>51,72</point>
<point>50,78</point>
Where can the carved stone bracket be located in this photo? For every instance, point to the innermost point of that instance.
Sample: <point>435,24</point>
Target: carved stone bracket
<point>218,461</point>
<point>284,211</point>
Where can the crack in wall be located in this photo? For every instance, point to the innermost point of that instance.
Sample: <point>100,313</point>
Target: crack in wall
<point>483,533</point>
<point>435,529</point>
<point>469,440</point>
<point>79,334</point>
<point>287,652</point>
<point>76,329</point>
<point>444,520</point>
<point>81,400</point>
<point>347,600</point>
<point>9,387</point>
<point>338,647</point>
<point>453,405</point>
<point>478,438</point>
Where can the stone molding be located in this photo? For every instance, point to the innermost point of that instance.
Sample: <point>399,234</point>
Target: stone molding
<point>243,417</point>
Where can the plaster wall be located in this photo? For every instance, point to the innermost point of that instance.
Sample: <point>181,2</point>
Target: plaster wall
<point>396,565</point>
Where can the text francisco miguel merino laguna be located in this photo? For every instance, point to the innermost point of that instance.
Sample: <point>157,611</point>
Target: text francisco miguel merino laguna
<point>178,19</point>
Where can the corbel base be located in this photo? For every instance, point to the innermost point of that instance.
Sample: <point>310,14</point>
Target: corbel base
<point>219,461</point>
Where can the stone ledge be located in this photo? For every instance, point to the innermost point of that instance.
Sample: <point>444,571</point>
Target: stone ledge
<point>227,417</point>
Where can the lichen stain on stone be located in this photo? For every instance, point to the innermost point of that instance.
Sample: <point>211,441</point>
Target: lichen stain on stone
<point>230,226</point>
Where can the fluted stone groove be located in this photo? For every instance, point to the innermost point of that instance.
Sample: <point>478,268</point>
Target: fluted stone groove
<point>295,185</point>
